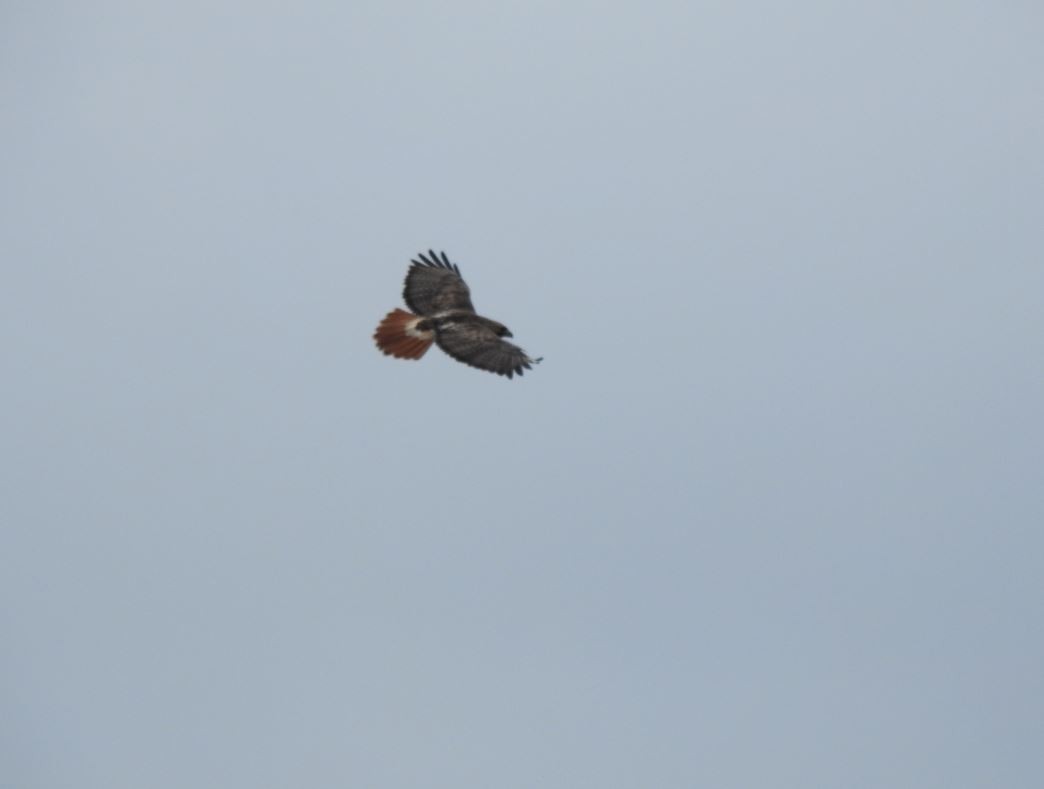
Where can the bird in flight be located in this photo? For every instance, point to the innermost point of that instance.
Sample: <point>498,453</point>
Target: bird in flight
<point>442,313</point>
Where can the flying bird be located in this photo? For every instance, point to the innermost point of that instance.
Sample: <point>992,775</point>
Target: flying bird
<point>442,313</point>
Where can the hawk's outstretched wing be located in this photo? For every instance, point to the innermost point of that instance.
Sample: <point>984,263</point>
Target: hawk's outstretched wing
<point>477,344</point>
<point>433,284</point>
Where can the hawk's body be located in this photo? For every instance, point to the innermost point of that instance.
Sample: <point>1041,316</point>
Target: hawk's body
<point>443,314</point>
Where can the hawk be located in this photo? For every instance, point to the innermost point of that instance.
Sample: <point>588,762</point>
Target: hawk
<point>442,314</point>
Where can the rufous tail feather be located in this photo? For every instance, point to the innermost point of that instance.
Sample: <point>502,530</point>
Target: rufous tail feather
<point>397,335</point>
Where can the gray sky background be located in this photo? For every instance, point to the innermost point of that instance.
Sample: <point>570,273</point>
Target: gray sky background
<point>768,515</point>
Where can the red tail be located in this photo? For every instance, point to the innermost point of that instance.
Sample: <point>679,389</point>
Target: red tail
<point>398,336</point>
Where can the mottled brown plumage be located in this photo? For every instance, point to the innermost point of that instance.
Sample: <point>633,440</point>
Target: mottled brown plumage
<point>443,314</point>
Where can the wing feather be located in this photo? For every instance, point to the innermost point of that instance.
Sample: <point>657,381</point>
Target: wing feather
<point>433,285</point>
<point>478,345</point>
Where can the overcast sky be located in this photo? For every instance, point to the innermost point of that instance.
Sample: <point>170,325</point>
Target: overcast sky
<point>769,514</point>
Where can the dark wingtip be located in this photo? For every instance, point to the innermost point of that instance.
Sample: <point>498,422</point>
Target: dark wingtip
<point>451,266</point>
<point>428,260</point>
<point>431,260</point>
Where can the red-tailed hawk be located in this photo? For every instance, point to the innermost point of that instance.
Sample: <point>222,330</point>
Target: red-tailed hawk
<point>442,314</point>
